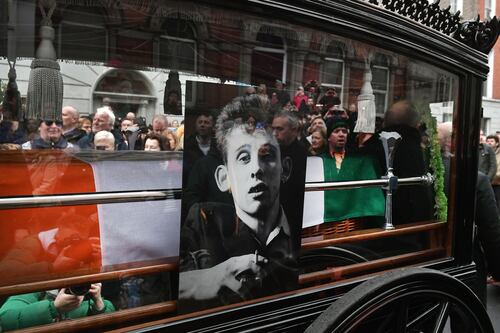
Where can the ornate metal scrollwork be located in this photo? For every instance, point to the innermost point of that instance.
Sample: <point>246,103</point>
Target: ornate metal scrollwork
<point>422,11</point>
<point>479,35</point>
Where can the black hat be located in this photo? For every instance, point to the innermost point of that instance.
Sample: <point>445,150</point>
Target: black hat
<point>333,123</point>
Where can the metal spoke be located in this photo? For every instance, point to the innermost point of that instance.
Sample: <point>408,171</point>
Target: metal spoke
<point>442,317</point>
<point>402,315</point>
<point>422,316</point>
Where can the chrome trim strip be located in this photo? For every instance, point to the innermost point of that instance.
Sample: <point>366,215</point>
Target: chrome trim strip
<point>88,198</point>
<point>324,186</point>
<point>133,196</point>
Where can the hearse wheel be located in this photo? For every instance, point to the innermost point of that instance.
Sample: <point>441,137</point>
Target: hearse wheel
<point>406,300</point>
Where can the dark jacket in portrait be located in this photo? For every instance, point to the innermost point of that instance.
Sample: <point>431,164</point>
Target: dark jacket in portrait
<point>487,163</point>
<point>201,185</point>
<point>292,190</point>
<point>193,153</point>
<point>213,233</point>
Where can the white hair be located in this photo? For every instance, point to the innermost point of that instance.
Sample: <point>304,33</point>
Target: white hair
<point>106,110</point>
<point>104,135</point>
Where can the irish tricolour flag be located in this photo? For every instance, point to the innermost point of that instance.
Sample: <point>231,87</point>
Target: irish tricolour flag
<point>338,205</point>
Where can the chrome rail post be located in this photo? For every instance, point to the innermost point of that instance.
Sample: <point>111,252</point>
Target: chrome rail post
<point>389,141</point>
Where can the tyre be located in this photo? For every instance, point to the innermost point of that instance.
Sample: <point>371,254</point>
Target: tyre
<point>406,300</point>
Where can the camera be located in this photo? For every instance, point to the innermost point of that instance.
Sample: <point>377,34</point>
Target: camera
<point>79,290</point>
<point>141,123</point>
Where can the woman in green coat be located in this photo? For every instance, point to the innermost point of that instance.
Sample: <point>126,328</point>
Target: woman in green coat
<point>26,310</point>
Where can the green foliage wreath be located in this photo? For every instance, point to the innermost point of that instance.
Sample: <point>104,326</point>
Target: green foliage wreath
<point>437,167</point>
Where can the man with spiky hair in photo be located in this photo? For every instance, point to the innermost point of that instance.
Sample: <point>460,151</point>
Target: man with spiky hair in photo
<point>232,253</point>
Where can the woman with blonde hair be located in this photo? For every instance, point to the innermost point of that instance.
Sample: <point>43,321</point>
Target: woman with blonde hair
<point>318,142</point>
<point>171,139</point>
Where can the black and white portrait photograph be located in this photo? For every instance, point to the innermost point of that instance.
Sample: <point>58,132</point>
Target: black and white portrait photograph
<point>243,246</point>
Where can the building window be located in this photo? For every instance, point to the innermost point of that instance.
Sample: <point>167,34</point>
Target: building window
<point>444,89</point>
<point>333,68</point>
<point>82,35</point>
<point>488,85</point>
<point>487,9</point>
<point>178,46</point>
<point>380,82</point>
<point>485,125</point>
<point>456,5</point>
<point>269,58</point>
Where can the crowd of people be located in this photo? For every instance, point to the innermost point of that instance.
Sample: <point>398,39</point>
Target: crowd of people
<point>489,160</point>
<point>101,131</point>
<point>274,133</point>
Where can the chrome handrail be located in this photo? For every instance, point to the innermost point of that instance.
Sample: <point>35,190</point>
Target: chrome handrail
<point>87,198</point>
<point>134,196</point>
<point>426,179</point>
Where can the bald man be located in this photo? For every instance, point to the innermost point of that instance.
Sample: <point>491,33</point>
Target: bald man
<point>70,117</point>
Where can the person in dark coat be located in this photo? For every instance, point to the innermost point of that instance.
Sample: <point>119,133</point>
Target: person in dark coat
<point>50,137</point>
<point>198,144</point>
<point>286,130</point>
<point>410,203</point>
<point>329,99</point>
<point>487,245</point>
<point>487,162</point>
<point>282,97</point>
<point>70,120</point>
<point>104,120</point>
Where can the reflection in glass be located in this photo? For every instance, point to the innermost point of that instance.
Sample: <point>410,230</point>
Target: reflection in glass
<point>124,60</point>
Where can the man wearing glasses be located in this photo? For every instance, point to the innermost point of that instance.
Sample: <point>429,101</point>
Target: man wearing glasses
<point>50,137</point>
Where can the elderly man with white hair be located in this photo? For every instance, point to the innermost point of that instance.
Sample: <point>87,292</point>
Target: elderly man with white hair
<point>104,120</point>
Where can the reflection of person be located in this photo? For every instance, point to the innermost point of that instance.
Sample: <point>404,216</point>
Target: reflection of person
<point>42,308</point>
<point>159,123</point>
<point>444,132</point>
<point>318,142</point>
<point>286,129</point>
<point>71,244</point>
<point>329,99</point>
<point>340,164</point>
<point>229,254</point>
<point>172,140</point>
<point>410,203</point>
<point>487,250</point>
<point>493,141</point>
<point>50,137</point>
<point>197,145</point>
<point>282,97</point>
<point>487,162</point>
<point>104,120</point>
<point>71,132</point>
<point>85,124</point>
<point>154,142</point>
<point>104,140</point>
